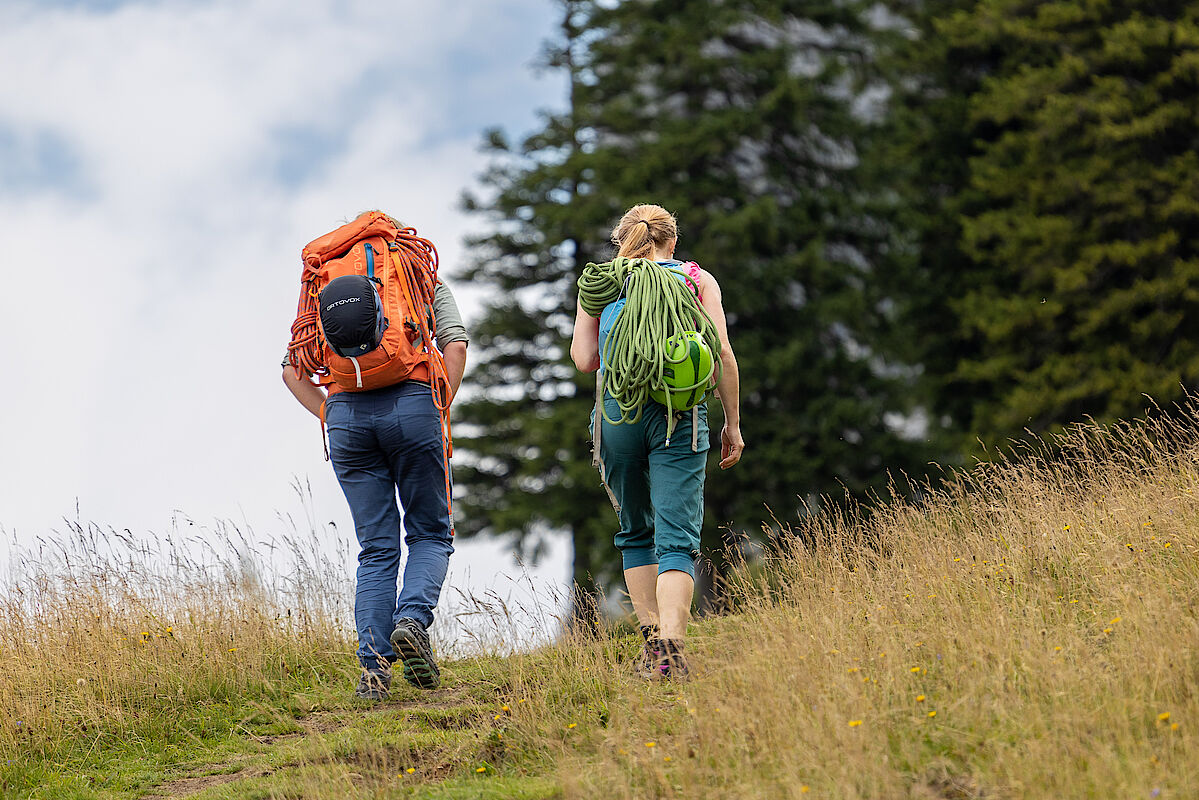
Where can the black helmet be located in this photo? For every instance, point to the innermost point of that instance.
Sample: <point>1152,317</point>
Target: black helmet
<point>352,315</point>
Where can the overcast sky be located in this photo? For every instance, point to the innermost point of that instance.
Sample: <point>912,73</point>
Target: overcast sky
<point>161,165</point>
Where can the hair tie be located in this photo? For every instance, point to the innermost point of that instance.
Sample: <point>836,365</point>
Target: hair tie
<point>646,224</point>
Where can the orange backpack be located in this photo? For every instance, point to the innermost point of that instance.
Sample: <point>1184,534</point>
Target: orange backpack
<point>403,268</point>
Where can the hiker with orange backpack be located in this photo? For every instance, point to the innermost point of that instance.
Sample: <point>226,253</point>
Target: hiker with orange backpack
<point>645,302</point>
<point>377,353</point>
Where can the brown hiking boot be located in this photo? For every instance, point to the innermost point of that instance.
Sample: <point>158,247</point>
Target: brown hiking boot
<point>672,664</point>
<point>647,663</point>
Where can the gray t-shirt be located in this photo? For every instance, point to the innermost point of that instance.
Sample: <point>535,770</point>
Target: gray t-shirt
<point>446,317</point>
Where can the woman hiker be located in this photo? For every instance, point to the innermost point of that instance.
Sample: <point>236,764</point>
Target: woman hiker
<point>388,438</point>
<point>657,487</point>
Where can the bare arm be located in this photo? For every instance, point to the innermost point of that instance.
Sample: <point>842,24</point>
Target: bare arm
<point>311,396</point>
<point>455,365</point>
<point>584,344</point>
<point>728,389</point>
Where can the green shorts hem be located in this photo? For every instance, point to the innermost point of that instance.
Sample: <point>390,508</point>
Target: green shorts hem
<point>683,562</point>
<point>634,557</point>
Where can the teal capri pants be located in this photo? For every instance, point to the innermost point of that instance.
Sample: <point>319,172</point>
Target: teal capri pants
<point>658,490</point>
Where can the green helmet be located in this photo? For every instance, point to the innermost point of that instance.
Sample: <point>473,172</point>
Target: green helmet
<point>687,372</point>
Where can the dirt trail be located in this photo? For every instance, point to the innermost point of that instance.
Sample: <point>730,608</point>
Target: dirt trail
<point>185,787</point>
<point>315,724</point>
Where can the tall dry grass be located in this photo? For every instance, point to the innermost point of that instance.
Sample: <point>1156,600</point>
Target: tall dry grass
<point>1028,629</point>
<point>105,637</point>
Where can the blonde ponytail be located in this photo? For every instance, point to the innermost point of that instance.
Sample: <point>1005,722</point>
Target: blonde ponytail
<point>642,229</point>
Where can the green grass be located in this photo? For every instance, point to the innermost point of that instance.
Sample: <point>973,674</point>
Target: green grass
<point>1028,631</point>
<point>305,736</point>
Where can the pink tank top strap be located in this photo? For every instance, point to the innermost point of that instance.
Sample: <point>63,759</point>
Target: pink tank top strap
<point>693,272</point>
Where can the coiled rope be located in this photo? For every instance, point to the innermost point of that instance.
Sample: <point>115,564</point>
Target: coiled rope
<point>636,353</point>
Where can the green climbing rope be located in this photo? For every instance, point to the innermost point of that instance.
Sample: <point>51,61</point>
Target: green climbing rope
<point>657,306</point>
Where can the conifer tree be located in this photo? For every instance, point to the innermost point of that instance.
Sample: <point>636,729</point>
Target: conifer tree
<point>523,446</point>
<point>920,157</point>
<point>742,118</point>
<point>1081,216</point>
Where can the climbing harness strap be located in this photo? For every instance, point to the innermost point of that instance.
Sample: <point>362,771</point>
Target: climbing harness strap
<point>597,425</point>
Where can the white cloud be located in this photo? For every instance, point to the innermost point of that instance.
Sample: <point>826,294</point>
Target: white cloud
<point>151,268</point>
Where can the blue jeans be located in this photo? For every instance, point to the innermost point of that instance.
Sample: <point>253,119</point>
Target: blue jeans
<point>382,441</point>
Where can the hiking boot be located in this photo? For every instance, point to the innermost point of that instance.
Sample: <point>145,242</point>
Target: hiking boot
<point>411,643</point>
<point>373,686</point>
<point>646,665</point>
<point>672,664</point>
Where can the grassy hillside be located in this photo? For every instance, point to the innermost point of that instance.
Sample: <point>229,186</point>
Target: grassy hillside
<point>1028,630</point>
